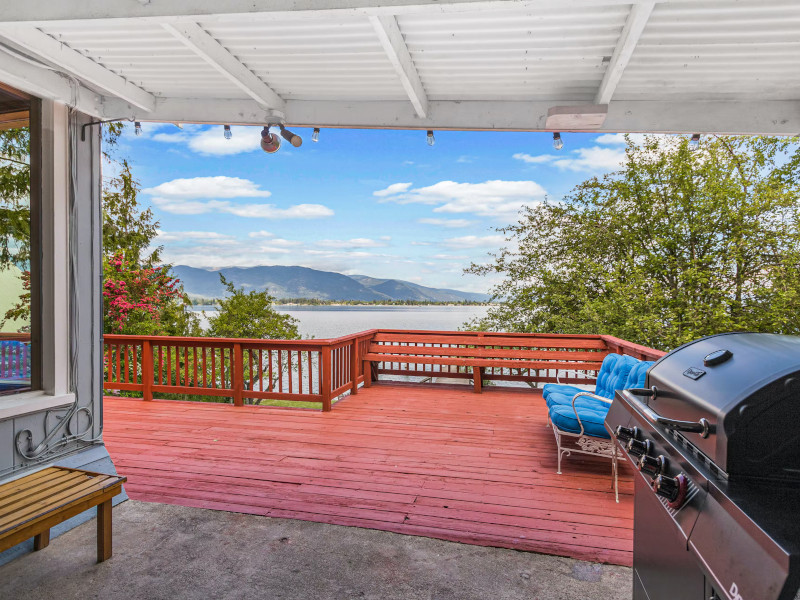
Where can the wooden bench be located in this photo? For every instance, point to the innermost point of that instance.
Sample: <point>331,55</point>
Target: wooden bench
<point>481,351</point>
<point>31,505</point>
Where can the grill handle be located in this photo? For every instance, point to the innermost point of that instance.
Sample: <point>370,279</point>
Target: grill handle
<point>703,427</point>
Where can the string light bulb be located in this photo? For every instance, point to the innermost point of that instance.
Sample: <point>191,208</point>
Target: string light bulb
<point>137,128</point>
<point>694,142</point>
<point>294,139</point>
<point>269,141</point>
<point>315,135</point>
<point>558,143</point>
<point>227,132</point>
<point>431,139</point>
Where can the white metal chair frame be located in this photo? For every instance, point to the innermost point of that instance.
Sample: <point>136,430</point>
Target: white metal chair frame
<point>585,443</point>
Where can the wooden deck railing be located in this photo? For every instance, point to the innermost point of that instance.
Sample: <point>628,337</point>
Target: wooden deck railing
<point>322,370</point>
<point>242,369</point>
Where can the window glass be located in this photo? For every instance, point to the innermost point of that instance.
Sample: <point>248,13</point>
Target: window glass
<point>15,243</point>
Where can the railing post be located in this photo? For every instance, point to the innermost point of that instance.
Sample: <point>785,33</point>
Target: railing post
<point>354,367</point>
<point>237,375</point>
<point>147,370</point>
<point>325,384</point>
<point>477,379</point>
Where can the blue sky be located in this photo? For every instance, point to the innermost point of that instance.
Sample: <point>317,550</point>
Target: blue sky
<point>373,202</point>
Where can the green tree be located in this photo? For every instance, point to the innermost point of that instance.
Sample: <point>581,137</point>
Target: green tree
<point>139,294</point>
<point>250,315</point>
<point>676,245</point>
<point>15,219</point>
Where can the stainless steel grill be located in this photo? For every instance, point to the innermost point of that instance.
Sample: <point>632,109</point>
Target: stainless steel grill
<point>715,438</point>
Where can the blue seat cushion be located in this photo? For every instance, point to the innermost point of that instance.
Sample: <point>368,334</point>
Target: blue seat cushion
<point>564,418</point>
<point>558,388</point>
<point>583,401</point>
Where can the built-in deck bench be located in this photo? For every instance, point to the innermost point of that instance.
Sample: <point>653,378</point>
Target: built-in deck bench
<point>490,356</point>
<point>31,505</point>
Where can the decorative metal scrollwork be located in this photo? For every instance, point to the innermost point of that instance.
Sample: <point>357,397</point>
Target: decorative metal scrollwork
<point>52,441</point>
<point>595,446</point>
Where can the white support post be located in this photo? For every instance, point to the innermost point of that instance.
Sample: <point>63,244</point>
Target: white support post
<point>55,249</point>
<point>626,44</point>
<point>396,50</point>
<point>73,63</point>
<point>215,54</point>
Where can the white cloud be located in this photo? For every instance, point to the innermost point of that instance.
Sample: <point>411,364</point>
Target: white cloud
<point>213,237</point>
<point>542,158</point>
<point>450,256</point>
<point>395,188</point>
<point>618,139</point>
<point>495,198</point>
<point>474,241</point>
<point>450,223</point>
<point>465,159</point>
<point>210,141</point>
<point>352,243</point>
<point>219,186</point>
<point>583,159</point>
<point>182,197</point>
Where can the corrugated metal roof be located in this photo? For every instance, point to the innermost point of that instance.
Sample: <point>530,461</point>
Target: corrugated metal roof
<point>301,65</point>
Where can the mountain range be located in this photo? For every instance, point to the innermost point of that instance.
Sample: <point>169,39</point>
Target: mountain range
<point>302,282</point>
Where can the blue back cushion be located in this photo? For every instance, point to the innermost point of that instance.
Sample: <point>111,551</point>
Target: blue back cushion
<point>603,376</point>
<point>618,376</point>
<point>638,374</point>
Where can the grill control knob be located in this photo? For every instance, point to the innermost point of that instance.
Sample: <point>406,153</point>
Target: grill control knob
<point>638,448</point>
<point>652,466</point>
<point>673,489</point>
<point>624,434</point>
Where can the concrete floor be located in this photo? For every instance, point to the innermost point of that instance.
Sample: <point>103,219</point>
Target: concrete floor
<point>173,552</point>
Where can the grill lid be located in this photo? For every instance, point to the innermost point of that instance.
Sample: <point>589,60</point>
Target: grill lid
<point>746,387</point>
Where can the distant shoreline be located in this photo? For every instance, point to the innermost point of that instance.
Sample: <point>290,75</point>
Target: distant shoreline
<point>311,302</point>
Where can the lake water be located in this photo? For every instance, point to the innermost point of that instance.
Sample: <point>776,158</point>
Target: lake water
<point>334,321</point>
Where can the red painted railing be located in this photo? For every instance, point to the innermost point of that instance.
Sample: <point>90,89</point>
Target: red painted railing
<point>242,369</point>
<point>15,361</point>
<point>249,370</point>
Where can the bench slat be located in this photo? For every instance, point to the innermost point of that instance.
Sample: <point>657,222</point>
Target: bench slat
<point>56,502</point>
<point>486,352</point>
<point>26,483</point>
<point>42,489</point>
<point>477,362</point>
<point>51,519</point>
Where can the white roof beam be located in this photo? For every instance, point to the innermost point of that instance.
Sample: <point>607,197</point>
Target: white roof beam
<point>626,44</point>
<point>396,50</point>
<point>758,117</point>
<point>44,83</point>
<point>73,63</point>
<point>215,54</point>
<point>40,12</point>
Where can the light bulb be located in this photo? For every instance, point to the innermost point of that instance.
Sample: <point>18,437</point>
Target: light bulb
<point>315,135</point>
<point>558,143</point>
<point>137,128</point>
<point>227,132</point>
<point>694,143</point>
<point>431,139</point>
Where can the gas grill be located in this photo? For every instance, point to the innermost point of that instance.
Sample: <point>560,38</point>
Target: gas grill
<point>715,440</point>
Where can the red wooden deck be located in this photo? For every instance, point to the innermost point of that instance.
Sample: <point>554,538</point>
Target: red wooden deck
<point>433,461</point>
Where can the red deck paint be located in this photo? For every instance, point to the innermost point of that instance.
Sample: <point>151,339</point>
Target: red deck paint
<point>435,461</point>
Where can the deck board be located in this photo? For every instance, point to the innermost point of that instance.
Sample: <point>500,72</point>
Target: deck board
<point>436,461</point>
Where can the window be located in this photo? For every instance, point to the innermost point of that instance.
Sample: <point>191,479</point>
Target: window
<point>18,243</point>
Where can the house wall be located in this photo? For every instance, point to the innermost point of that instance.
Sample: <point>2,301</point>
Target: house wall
<point>76,314</point>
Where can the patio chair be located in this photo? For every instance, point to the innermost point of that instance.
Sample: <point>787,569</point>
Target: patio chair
<point>580,420</point>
